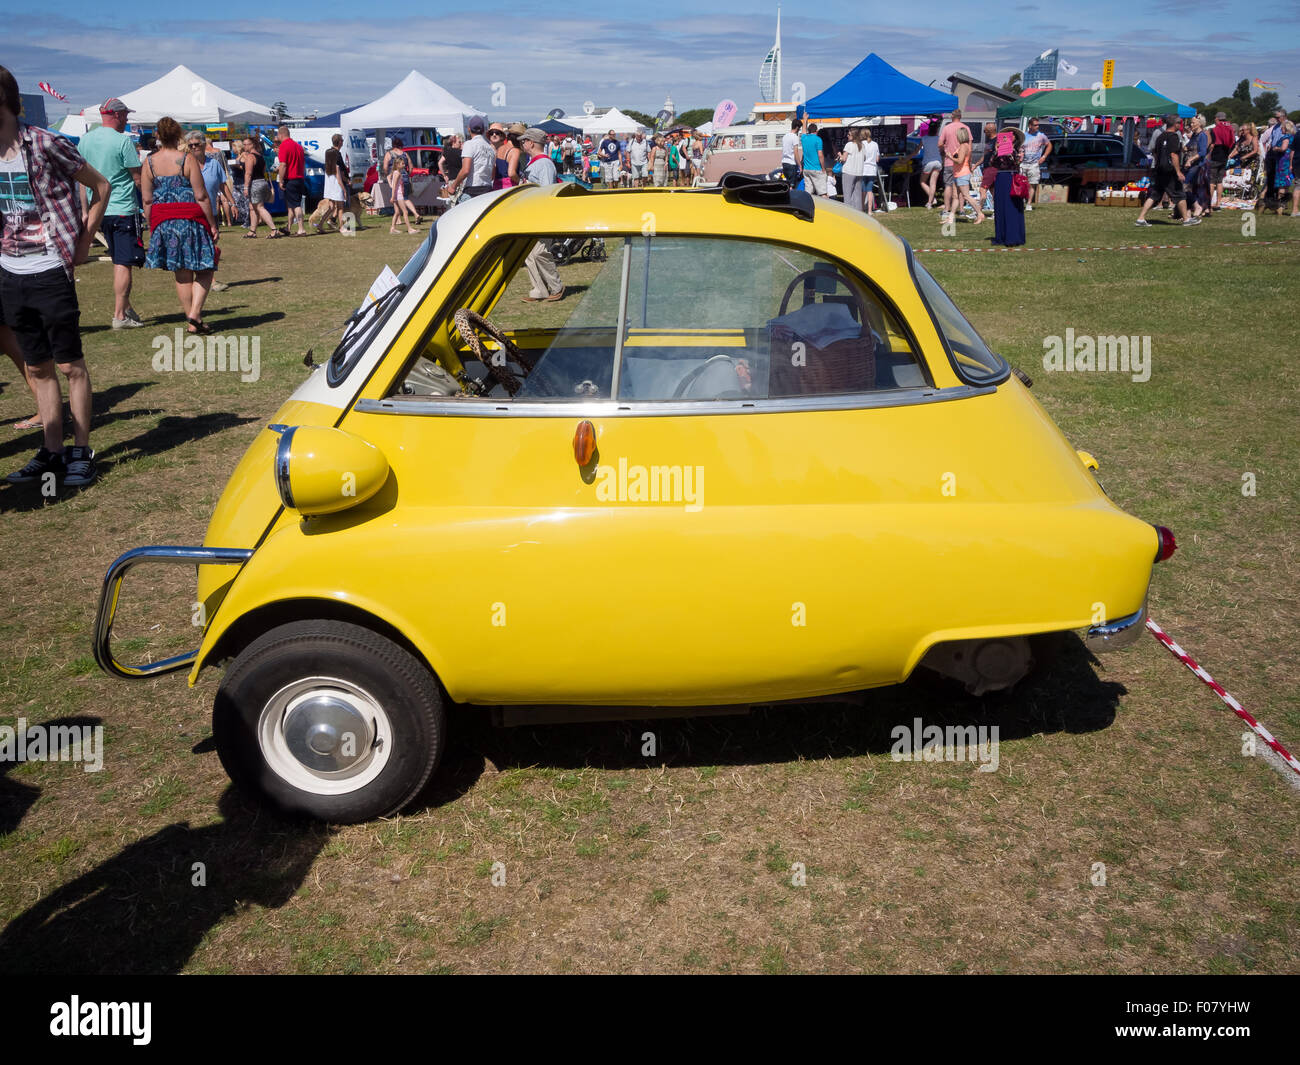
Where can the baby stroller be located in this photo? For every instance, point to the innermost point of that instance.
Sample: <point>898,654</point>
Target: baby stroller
<point>579,249</point>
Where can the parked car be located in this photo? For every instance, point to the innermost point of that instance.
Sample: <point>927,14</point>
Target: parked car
<point>1078,152</point>
<point>758,454</point>
<point>423,160</point>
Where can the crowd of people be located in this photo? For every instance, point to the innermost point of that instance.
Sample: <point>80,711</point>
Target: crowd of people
<point>57,197</point>
<point>638,160</point>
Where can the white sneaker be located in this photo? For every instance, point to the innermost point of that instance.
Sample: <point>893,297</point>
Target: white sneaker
<point>126,323</point>
<point>219,286</point>
<point>1029,207</point>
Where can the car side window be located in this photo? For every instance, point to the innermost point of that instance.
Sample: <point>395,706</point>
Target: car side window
<point>726,319</point>
<point>534,320</point>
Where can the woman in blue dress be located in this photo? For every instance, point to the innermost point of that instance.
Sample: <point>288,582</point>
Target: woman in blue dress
<point>1008,213</point>
<point>177,211</point>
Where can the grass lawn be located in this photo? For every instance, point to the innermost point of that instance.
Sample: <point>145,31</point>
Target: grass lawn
<point>618,862</point>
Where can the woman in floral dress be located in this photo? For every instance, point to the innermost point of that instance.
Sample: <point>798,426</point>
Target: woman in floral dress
<point>177,211</point>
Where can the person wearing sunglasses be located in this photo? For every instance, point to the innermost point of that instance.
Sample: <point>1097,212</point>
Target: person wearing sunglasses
<point>215,179</point>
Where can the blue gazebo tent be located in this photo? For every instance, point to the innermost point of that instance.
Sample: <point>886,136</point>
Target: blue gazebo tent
<point>872,88</point>
<point>1183,110</point>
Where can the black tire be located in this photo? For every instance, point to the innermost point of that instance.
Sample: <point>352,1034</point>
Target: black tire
<point>400,684</point>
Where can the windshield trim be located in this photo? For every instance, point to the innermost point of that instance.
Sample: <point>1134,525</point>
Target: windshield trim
<point>365,324</point>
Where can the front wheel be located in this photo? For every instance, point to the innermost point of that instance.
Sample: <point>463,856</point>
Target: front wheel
<point>329,720</point>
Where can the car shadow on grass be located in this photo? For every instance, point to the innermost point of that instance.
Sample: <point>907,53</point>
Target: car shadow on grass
<point>145,911</point>
<point>1066,695</point>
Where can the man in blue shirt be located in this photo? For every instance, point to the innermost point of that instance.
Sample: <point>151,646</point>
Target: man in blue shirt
<point>814,168</point>
<point>1037,148</point>
<point>609,154</point>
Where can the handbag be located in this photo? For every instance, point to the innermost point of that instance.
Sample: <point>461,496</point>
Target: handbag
<point>1019,187</point>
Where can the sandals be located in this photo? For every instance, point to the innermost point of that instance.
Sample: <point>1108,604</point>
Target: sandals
<point>275,234</point>
<point>201,328</point>
<point>32,422</point>
<point>250,236</point>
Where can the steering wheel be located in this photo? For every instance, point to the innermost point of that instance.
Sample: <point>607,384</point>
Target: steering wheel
<point>823,275</point>
<point>717,362</point>
<point>469,325</point>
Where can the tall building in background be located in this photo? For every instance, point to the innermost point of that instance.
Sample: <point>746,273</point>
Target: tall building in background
<point>1041,73</point>
<point>769,74</point>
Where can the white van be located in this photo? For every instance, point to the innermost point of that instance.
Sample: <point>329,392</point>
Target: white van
<point>317,140</point>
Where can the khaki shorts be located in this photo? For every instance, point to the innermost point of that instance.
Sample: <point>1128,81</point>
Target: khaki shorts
<point>1031,172</point>
<point>817,179</point>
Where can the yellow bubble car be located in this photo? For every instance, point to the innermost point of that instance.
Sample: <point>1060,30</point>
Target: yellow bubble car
<point>740,448</point>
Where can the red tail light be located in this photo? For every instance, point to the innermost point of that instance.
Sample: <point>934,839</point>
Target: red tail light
<point>1167,543</point>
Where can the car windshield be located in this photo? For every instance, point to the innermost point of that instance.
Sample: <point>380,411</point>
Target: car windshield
<point>365,322</point>
<point>972,357</point>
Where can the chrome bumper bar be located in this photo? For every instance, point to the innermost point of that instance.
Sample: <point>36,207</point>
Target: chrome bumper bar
<point>1113,635</point>
<point>108,598</point>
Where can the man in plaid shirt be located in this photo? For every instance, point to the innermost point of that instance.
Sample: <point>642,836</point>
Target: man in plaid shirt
<point>41,240</point>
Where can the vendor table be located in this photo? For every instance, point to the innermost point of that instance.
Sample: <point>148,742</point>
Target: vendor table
<point>1112,175</point>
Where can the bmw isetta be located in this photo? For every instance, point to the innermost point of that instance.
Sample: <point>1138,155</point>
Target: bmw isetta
<point>753,454</point>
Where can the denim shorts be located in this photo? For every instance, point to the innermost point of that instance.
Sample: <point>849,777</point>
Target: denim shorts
<point>122,231</point>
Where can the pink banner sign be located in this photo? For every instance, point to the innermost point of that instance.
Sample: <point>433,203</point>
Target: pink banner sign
<point>723,114</point>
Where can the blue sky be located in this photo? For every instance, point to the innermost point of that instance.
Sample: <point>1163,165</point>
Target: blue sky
<point>327,54</point>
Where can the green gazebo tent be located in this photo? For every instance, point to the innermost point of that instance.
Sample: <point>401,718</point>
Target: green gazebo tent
<point>1124,100</point>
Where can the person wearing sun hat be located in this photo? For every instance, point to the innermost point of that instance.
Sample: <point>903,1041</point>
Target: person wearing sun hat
<point>478,163</point>
<point>542,271</point>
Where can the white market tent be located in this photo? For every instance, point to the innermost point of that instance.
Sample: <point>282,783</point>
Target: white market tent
<point>415,102</point>
<point>189,98</point>
<point>612,119</point>
<point>73,125</point>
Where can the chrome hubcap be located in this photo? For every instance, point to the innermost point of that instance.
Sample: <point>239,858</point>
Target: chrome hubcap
<point>325,735</point>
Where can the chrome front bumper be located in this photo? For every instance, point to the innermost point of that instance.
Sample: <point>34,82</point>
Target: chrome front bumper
<point>1117,634</point>
<point>109,594</point>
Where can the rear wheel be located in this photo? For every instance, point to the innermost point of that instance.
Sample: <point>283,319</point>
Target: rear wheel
<point>329,720</point>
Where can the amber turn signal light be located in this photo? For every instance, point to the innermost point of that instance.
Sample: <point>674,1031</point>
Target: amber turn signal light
<point>584,443</point>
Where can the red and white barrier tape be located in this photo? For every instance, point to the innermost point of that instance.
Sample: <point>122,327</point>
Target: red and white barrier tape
<point>1215,687</point>
<point>1126,247</point>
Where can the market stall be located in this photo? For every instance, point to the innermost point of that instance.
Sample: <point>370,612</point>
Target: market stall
<point>873,89</point>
